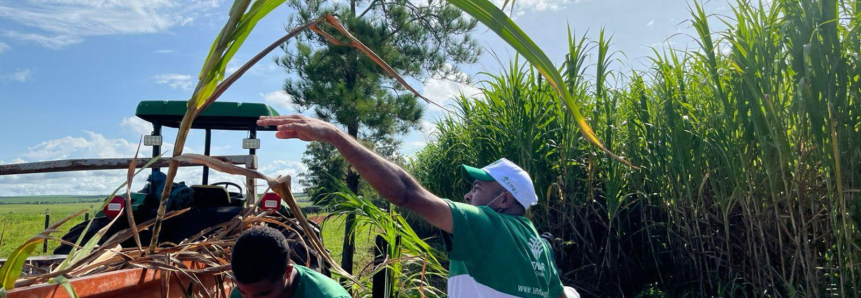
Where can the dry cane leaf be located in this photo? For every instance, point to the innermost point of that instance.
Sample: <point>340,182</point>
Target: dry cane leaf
<point>279,186</point>
<point>129,212</point>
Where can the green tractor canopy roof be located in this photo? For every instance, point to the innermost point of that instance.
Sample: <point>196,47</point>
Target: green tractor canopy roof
<point>218,116</point>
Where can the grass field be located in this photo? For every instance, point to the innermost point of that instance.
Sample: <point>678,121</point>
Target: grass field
<point>333,239</point>
<point>50,199</point>
<point>40,209</point>
<point>19,222</point>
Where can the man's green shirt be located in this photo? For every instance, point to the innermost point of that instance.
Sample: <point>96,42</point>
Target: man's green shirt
<point>498,255</point>
<point>311,285</point>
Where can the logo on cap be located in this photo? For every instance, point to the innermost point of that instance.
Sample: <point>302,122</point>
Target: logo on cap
<point>510,186</point>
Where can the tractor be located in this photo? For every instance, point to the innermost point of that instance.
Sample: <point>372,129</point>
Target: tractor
<point>209,204</point>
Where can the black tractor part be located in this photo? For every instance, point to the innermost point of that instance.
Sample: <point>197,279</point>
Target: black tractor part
<point>209,205</point>
<point>181,227</point>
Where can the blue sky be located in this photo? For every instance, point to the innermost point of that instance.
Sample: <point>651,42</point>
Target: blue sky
<point>73,71</point>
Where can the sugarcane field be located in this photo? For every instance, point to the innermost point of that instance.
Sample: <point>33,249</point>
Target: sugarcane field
<point>430,148</point>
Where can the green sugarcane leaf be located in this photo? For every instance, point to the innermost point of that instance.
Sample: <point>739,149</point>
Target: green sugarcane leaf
<point>234,15</point>
<point>91,244</point>
<point>15,263</point>
<point>212,73</point>
<point>236,36</point>
<point>258,10</point>
<point>64,282</point>
<point>495,19</point>
<point>11,270</point>
<point>207,90</point>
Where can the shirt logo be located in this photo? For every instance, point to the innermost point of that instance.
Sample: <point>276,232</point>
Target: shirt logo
<point>536,246</point>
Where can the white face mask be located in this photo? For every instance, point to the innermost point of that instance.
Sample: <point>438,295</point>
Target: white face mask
<point>494,200</point>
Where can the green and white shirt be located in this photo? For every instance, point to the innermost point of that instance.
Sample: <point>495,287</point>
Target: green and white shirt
<point>498,255</point>
<point>311,285</point>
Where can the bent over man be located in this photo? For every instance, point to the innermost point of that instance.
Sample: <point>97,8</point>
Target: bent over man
<point>262,269</point>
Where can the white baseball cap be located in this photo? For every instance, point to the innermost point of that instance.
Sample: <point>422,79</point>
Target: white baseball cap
<point>514,179</point>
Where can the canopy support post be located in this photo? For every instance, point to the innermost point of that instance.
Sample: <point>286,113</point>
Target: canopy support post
<point>207,141</point>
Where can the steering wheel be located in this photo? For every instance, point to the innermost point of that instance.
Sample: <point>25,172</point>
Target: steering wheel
<point>226,184</point>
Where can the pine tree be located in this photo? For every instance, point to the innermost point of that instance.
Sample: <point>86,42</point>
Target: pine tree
<point>420,39</point>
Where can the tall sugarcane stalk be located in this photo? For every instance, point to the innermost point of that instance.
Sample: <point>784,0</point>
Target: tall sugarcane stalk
<point>207,78</point>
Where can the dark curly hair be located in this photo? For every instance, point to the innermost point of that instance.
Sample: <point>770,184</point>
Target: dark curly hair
<point>261,252</point>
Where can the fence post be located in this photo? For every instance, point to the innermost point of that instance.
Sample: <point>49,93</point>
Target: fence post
<point>87,217</point>
<point>379,288</point>
<point>47,224</point>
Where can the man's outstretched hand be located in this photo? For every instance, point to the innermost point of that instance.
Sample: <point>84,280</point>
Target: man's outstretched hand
<point>300,127</point>
<point>387,178</point>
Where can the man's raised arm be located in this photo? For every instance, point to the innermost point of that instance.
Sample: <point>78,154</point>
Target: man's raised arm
<point>387,178</point>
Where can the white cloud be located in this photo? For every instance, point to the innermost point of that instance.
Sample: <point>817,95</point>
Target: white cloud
<point>666,44</point>
<point>174,80</point>
<point>443,92</point>
<point>410,148</point>
<point>92,145</point>
<point>285,167</point>
<point>55,149</point>
<point>535,5</point>
<point>426,132</point>
<point>222,150</point>
<point>75,183</point>
<point>137,125</point>
<point>232,67</point>
<point>14,161</point>
<point>164,51</point>
<point>261,68</point>
<point>279,99</point>
<point>95,145</point>
<point>20,75</point>
<point>650,23</point>
<point>428,129</point>
<point>70,20</point>
<point>4,47</point>
<point>192,175</point>
<point>97,182</point>
<point>58,41</point>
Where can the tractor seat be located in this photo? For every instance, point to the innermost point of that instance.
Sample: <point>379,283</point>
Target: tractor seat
<point>210,196</point>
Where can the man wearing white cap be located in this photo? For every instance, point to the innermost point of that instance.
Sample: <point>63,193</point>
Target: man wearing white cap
<point>495,251</point>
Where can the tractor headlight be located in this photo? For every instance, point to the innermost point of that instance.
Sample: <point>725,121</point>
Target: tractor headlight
<point>152,140</point>
<point>250,143</point>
